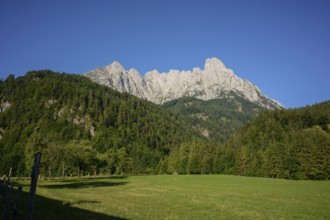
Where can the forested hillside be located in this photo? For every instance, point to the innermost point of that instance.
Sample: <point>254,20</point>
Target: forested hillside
<point>293,144</point>
<point>80,126</point>
<point>84,128</point>
<point>216,119</point>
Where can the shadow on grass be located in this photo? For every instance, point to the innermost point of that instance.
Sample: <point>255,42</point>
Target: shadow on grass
<point>83,184</point>
<point>50,209</point>
<point>86,178</point>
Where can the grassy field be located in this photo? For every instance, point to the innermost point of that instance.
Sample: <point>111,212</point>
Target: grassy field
<point>181,197</point>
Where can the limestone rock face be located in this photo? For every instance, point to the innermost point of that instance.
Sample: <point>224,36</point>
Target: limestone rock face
<point>215,81</point>
<point>4,106</point>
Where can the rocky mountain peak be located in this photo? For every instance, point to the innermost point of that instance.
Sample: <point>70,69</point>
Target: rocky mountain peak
<point>215,81</point>
<point>115,67</point>
<point>214,64</point>
<point>152,73</point>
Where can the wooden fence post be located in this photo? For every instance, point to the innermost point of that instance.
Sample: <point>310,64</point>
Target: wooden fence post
<point>16,207</point>
<point>8,189</point>
<point>33,186</point>
<point>2,186</point>
<point>9,175</point>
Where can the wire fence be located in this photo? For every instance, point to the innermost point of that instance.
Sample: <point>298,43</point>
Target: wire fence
<point>10,193</point>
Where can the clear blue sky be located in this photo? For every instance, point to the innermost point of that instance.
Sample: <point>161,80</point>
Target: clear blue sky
<point>282,46</point>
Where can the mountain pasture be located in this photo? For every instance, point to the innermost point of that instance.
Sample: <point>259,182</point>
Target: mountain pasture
<point>181,197</point>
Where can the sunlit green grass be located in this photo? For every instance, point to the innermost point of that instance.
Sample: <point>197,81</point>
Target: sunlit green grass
<point>182,197</point>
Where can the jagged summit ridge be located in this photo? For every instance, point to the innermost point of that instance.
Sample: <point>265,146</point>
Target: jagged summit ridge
<point>214,81</point>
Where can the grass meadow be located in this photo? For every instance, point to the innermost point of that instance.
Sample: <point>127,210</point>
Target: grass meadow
<point>180,197</point>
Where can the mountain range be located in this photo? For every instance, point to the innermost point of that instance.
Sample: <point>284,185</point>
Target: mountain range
<point>215,81</point>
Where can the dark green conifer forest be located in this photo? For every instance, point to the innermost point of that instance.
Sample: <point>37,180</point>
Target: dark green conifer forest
<point>292,144</point>
<point>82,128</point>
<point>216,119</point>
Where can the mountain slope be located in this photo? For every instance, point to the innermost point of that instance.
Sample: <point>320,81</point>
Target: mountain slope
<point>52,112</point>
<point>213,82</point>
<point>216,119</point>
<point>293,143</point>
